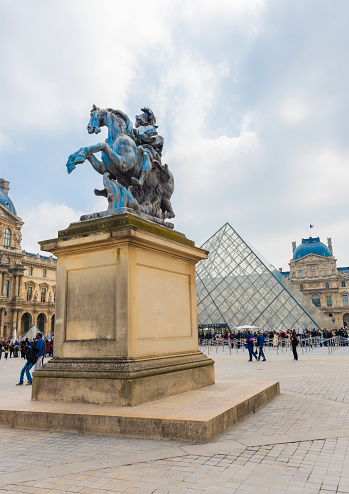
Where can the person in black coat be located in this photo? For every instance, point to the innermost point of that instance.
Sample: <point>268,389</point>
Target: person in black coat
<point>294,343</point>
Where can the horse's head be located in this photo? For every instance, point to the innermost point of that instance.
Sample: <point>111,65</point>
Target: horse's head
<point>94,125</point>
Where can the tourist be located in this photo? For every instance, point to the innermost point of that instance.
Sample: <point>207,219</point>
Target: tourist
<point>39,350</point>
<point>276,340</point>
<point>250,344</point>
<point>12,349</point>
<point>22,349</point>
<point>6,349</point>
<point>31,360</point>
<point>260,343</point>
<point>294,342</point>
<point>47,348</point>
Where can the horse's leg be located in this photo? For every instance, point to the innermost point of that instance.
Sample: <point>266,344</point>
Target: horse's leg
<point>116,159</point>
<point>97,164</point>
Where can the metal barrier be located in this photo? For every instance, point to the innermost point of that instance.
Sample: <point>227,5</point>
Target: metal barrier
<point>305,343</point>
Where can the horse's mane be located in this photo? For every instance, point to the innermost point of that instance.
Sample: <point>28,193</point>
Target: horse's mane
<point>129,125</point>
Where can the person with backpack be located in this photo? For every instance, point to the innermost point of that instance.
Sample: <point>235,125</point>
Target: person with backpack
<point>6,349</point>
<point>31,360</point>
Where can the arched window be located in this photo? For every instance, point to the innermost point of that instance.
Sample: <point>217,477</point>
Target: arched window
<point>7,237</point>
<point>312,271</point>
<point>316,300</point>
<point>327,284</point>
<point>345,300</point>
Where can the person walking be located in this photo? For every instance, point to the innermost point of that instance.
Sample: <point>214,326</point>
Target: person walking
<point>294,343</point>
<point>250,344</point>
<point>31,360</point>
<point>260,343</point>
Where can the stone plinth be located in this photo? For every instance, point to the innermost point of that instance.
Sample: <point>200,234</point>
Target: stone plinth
<point>126,320</point>
<point>198,415</point>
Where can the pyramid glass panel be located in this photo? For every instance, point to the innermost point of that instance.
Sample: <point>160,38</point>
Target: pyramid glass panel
<point>237,286</point>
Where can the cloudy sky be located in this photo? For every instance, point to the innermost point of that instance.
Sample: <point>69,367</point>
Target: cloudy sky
<point>251,97</point>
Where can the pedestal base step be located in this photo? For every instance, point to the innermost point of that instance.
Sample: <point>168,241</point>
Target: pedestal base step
<point>198,415</point>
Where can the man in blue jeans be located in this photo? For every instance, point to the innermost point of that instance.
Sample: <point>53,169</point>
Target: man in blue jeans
<point>260,343</point>
<point>31,360</point>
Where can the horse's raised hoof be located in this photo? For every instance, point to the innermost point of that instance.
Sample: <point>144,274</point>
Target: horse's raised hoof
<point>80,158</point>
<point>70,167</point>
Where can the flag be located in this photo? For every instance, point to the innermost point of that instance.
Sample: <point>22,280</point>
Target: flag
<point>311,226</point>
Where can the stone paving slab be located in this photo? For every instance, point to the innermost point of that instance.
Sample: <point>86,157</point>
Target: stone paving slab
<point>197,415</point>
<point>306,426</point>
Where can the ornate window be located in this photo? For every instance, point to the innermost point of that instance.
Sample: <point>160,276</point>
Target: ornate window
<point>300,273</point>
<point>43,294</point>
<point>30,271</point>
<point>44,273</point>
<point>316,300</point>
<point>7,237</point>
<point>301,287</point>
<point>7,288</point>
<point>327,285</point>
<point>29,293</point>
<point>325,271</point>
<point>343,284</point>
<point>345,300</point>
<point>312,271</point>
<point>329,300</point>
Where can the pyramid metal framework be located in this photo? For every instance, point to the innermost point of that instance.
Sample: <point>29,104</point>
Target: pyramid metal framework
<point>236,286</point>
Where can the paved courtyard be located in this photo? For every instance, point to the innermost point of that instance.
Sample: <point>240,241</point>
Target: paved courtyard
<point>298,443</point>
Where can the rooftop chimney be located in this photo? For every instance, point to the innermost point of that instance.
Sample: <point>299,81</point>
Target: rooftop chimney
<point>329,245</point>
<point>4,185</point>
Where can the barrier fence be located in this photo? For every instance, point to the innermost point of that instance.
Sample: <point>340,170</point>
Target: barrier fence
<point>305,344</point>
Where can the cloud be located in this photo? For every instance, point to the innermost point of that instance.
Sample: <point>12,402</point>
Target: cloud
<point>43,222</point>
<point>294,110</point>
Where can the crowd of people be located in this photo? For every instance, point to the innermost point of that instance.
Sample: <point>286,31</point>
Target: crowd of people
<point>257,340</point>
<point>240,336</point>
<point>32,351</point>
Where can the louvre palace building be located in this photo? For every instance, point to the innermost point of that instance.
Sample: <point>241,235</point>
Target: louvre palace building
<point>314,271</point>
<point>27,281</point>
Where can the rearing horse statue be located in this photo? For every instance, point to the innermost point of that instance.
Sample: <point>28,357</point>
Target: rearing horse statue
<point>133,175</point>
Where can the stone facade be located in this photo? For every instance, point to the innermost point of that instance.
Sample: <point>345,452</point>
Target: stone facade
<point>319,279</point>
<point>27,281</point>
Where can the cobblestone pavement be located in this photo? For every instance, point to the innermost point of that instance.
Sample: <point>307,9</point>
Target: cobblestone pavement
<point>298,443</point>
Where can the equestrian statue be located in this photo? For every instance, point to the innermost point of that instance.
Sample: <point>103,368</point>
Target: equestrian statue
<point>133,174</point>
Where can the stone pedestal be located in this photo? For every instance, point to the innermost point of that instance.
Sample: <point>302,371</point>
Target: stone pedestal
<point>126,318</point>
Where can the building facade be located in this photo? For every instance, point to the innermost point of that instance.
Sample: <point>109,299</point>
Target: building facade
<point>27,281</point>
<point>313,270</point>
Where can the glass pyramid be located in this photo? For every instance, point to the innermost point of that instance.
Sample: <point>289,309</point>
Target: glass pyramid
<point>236,286</point>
